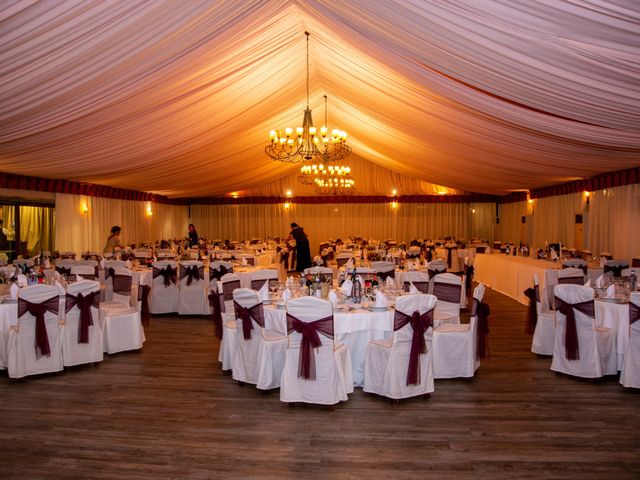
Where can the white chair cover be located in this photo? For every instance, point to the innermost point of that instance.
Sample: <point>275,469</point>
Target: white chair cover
<point>259,359</point>
<point>420,280</point>
<point>383,269</point>
<point>333,370</point>
<point>324,272</point>
<point>109,266</point>
<point>630,375</point>
<point>193,296</point>
<point>545,331</point>
<point>343,257</point>
<point>164,298</point>
<point>597,355</point>
<point>121,319</point>
<point>454,346</point>
<point>225,288</point>
<point>387,361</point>
<point>260,277</point>
<point>571,275</point>
<point>22,359</point>
<point>73,351</point>
<point>447,308</point>
<point>87,272</point>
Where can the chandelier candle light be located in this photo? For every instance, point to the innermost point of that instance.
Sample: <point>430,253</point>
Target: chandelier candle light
<point>306,143</point>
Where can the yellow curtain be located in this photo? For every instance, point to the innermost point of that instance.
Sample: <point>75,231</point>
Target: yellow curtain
<point>37,229</point>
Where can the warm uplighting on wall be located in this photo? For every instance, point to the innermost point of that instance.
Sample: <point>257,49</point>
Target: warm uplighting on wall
<point>394,204</point>
<point>394,201</point>
<point>287,205</point>
<point>149,210</point>
<point>289,193</point>
<point>394,192</point>
<point>84,208</point>
<point>473,210</point>
<point>234,194</point>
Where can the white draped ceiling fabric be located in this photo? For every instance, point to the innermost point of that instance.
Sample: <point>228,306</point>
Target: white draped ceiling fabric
<point>177,98</point>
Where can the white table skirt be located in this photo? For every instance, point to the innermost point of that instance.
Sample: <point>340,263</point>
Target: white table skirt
<point>355,329</point>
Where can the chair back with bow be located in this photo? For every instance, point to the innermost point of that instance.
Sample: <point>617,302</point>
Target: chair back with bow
<point>68,254</point>
<point>420,280</point>
<point>384,269</point>
<point>615,267</point>
<point>249,314</point>
<point>325,273</point>
<point>447,287</point>
<point>165,274</point>
<point>87,272</point>
<point>310,329</point>
<point>81,308</point>
<point>219,269</point>
<point>576,263</point>
<point>63,267</point>
<point>226,286</point>
<point>122,283</point>
<point>575,316</point>
<point>260,277</point>
<point>436,267</point>
<point>571,276</point>
<point>165,253</point>
<point>191,274</point>
<point>343,257</point>
<point>38,316</point>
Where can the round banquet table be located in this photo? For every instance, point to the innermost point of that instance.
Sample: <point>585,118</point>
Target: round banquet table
<point>355,329</point>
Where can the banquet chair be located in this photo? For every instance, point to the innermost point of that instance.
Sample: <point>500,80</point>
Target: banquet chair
<point>165,295</point>
<point>192,289</point>
<point>455,347</point>
<point>120,317</point>
<point>384,269</point>
<point>576,263</point>
<point>260,277</point>
<point>165,254</point>
<point>109,268</point>
<point>259,357</point>
<point>447,287</point>
<point>317,369</point>
<point>581,348</point>
<point>436,267</point>
<point>343,257</point>
<point>630,375</point>
<point>225,288</point>
<point>30,353</point>
<point>365,271</point>
<point>82,335</point>
<point>545,326</point>
<point>615,267</point>
<point>249,258</point>
<point>402,366</point>
<point>325,273</point>
<point>87,272</point>
<point>68,255</point>
<point>63,267</point>
<point>420,280</point>
<point>571,276</point>
<point>414,252</point>
<point>89,255</point>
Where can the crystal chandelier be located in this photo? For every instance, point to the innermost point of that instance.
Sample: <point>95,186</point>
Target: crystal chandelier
<point>306,143</point>
<point>334,185</point>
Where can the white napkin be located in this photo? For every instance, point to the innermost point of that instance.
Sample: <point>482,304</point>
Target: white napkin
<point>333,297</point>
<point>390,282</point>
<point>347,286</point>
<point>286,295</point>
<point>600,281</point>
<point>411,266</point>
<point>22,280</point>
<point>263,293</point>
<point>611,291</point>
<point>554,255</point>
<point>79,278</point>
<point>243,260</point>
<point>13,291</point>
<point>349,264</point>
<point>587,283</point>
<point>412,288</point>
<point>381,300</point>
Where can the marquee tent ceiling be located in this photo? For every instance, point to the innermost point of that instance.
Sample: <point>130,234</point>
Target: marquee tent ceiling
<point>177,98</point>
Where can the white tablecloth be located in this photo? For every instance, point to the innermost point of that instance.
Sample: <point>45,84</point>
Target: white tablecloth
<point>354,329</point>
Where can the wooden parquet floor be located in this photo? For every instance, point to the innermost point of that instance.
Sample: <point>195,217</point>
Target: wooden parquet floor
<point>168,412</point>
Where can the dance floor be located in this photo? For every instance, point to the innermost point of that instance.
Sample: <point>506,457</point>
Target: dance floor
<point>169,412</point>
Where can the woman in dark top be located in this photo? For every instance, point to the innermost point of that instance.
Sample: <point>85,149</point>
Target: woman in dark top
<point>303,253</point>
<point>193,236</point>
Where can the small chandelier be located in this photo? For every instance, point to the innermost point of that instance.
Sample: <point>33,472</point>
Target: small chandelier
<point>306,143</point>
<point>334,185</point>
<point>310,173</point>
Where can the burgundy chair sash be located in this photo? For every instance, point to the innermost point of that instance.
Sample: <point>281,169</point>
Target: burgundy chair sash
<point>570,280</point>
<point>384,275</point>
<point>228,288</point>
<point>251,261</point>
<point>449,255</point>
<point>255,313</point>
<point>122,284</point>
<point>192,273</point>
<point>109,272</point>
<point>310,340</point>
<point>258,284</point>
<point>420,323</point>
<point>143,298</point>
<point>447,292</point>
<point>38,310</point>
<point>214,302</point>
<point>482,311</point>
<point>433,272</point>
<point>481,249</point>
<point>615,269</point>
<point>63,271</point>
<point>423,287</point>
<point>218,273</point>
<point>430,251</point>
<point>572,350</point>
<point>533,294</point>
<point>635,262</point>
<point>84,303</point>
<point>634,313</point>
<point>468,269</point>
<point>169,275</point>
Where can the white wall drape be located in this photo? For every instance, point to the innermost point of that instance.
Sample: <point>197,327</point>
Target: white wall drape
<point>554,218</point>
<point>510,219</point>
<point>325,221</point>
<point>79,232</point>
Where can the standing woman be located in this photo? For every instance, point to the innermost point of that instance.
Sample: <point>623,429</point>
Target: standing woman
<point>193,236</point>
<point>114,240</point>
<point>302,247</point>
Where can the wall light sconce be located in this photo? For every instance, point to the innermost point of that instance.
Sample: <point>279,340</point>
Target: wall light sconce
<point>149,209</point>
<point>287,205</point>
<point>84,208</point>
<point>587,196</point>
